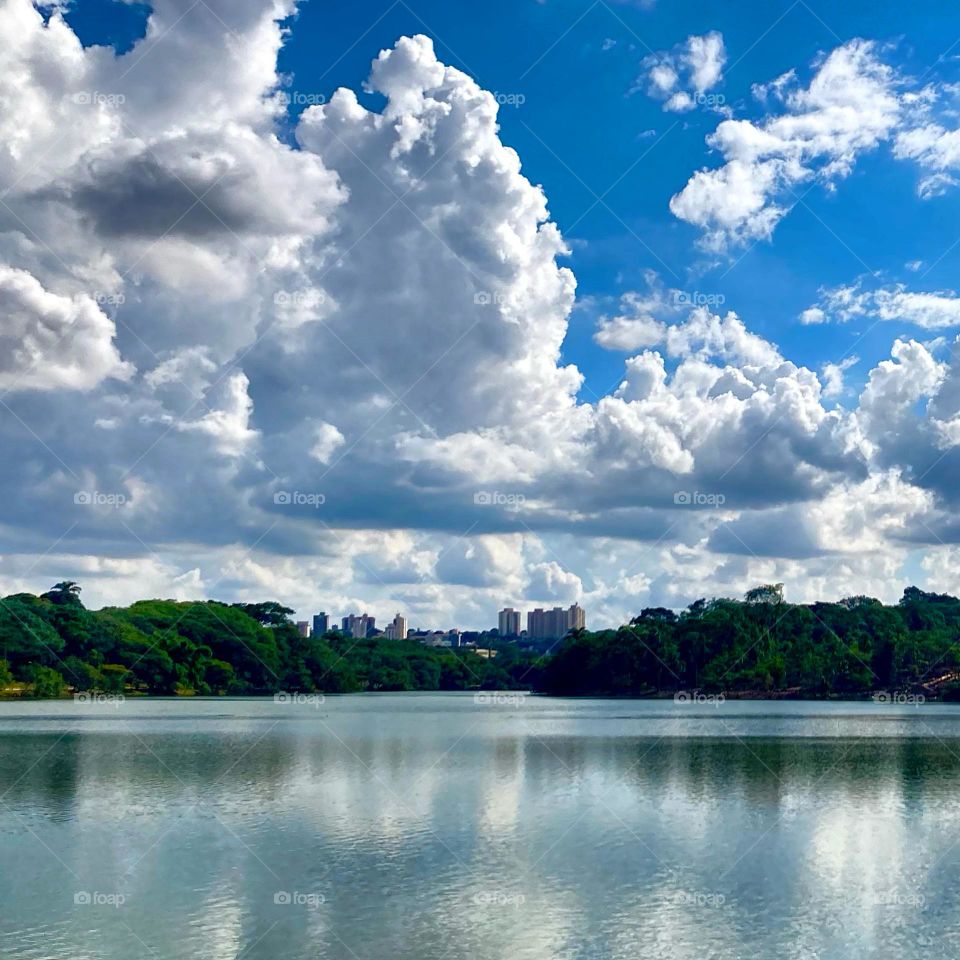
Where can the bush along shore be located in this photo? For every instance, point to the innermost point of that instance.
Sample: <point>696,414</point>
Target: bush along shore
<point>758,647</point>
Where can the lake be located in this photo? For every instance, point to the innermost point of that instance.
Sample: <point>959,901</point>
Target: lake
<point>434,826</point>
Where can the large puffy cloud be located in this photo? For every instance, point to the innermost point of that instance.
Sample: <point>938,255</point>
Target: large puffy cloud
<point>332,372</point>
<point>460,243</point>
<point>48,341</point>
<point>200,185</point>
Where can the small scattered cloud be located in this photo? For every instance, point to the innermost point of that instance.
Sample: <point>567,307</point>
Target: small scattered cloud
<point>850,106</point>
<point>833,375</point>
<point>682,77</point>
<point>931,310</point>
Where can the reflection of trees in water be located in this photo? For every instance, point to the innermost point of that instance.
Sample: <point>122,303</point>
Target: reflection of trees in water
<point>41,770</point>
<point>762,770</point>
<point>53,772</point>
<point>438,821</point>
<point>50,769</point>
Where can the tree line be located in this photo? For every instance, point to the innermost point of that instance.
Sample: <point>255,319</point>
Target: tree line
<point>760,645</point>
<point>763,644</point>
<point>52,644</point>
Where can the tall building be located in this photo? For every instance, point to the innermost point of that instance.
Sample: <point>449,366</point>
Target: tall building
<point>509,622</point>
<point>321,623</point>
<point>397,630</point>
<point>536,624</point>
<point>303,627</point>
<point>362,626</point>
<point>556,623</point>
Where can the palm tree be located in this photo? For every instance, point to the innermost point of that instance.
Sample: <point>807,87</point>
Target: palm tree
<point>64,592</point>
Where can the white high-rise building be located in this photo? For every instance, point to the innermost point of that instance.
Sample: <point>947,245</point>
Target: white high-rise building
<point>397,629</point>
<point>556,623</point>
<point>509,622</point>
<point>362,626</point>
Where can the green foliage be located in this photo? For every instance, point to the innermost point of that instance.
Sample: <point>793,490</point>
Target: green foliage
<point>168,647</point>
<point>45,682</point>
<point>762,643</point>
<point>25,636</point>
<point>65,593</point>
<point>849,648</point>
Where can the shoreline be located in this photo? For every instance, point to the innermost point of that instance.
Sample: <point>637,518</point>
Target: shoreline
<point>697,698</point>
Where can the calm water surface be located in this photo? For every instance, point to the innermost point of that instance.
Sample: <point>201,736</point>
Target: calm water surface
<point>432,826</point>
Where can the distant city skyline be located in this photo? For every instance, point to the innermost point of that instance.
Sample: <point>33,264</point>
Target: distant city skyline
<point>538,623</point>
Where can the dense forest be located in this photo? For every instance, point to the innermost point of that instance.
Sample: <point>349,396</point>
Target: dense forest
<point>52,645</point>
<point>762,644</point>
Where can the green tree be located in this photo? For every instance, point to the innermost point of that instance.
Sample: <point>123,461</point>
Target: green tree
<point>45,682</point>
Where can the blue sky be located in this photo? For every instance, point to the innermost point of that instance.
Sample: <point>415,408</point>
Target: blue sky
<point>580,129</point>
<point>609,158</point>
<point>285,318</point>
